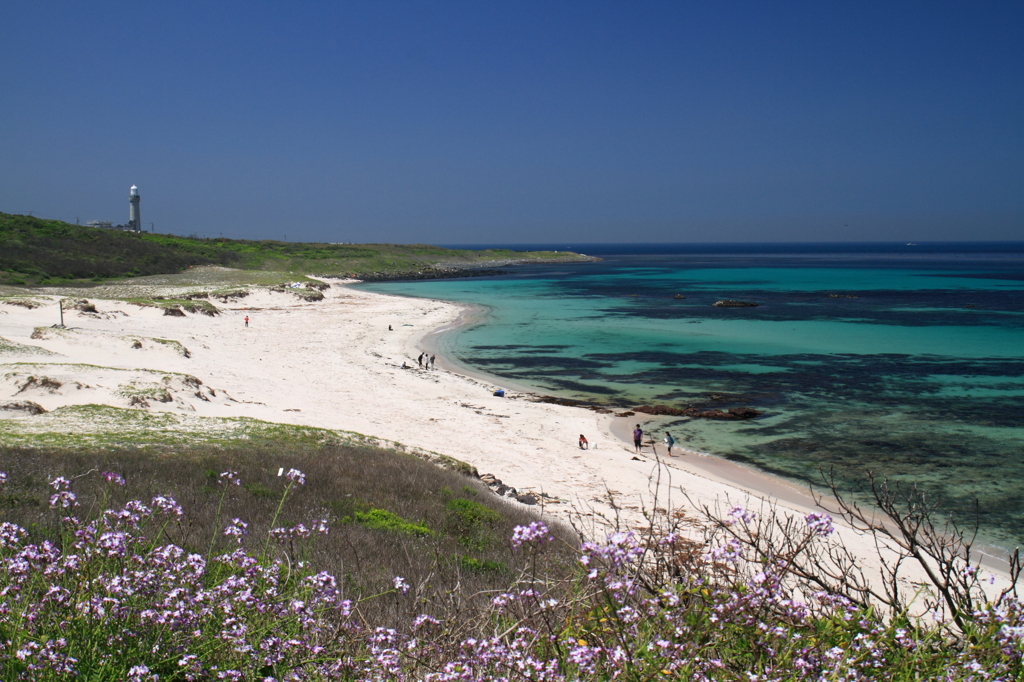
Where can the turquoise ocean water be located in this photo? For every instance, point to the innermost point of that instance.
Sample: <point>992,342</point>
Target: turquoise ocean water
<point>907,361</point>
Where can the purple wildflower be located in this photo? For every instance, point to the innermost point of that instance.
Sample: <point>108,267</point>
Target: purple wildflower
<point>741,514</point>
<point>296,476</point>
<point>280,534</point>
<point>61,483</point>
<point>167,505</point>
<point>111,477</point>
<point>63,500</point>
<point>423,620</point>
<point>820,524</point>
<point>11,534</point>
<point>231,477</point>
<point>138,670</point>
<point>535,532</point>
<point>730,552</point>
<point>237,529</point>
<point>401,585</point>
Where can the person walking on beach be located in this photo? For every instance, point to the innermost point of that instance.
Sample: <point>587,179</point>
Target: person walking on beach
<point>419,360</point>
<point>669,441</point>
<point>584,445</point>
<point>432,365</point>
<point>246,320</point>
<point>638,437</point>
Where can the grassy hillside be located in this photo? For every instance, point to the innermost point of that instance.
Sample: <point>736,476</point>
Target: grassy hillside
<point>388,513</point>
<point>36,251</point>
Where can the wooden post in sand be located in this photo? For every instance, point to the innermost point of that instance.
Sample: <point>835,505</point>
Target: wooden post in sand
<point>61,304</point>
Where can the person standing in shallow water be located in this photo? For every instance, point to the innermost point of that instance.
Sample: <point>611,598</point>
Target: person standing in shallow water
<point>638,437</point>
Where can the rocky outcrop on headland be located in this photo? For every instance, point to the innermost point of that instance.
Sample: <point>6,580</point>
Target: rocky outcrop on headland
<point>733,413</point>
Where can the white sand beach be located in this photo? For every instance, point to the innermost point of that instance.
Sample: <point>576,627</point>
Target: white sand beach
<point>334,364</point>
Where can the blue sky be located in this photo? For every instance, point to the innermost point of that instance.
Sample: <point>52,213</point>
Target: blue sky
<point>520,122</point>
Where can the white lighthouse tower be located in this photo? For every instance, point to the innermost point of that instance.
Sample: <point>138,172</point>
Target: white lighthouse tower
<point>134,218</point>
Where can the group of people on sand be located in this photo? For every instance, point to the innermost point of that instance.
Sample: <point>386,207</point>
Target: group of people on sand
<point>638,438</point>
<point>425,361</point>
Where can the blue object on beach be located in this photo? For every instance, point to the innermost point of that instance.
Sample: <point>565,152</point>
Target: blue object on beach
<point>500,393</point>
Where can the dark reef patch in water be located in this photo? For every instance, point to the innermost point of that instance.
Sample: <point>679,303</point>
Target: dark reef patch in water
<point>928,308</point>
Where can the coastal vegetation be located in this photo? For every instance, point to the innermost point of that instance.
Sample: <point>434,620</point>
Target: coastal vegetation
<point>51,252</point>
<point>299,562</point>
<point>178,307</point>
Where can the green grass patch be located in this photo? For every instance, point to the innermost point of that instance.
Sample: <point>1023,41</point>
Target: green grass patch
<point>260,490</point>
<point>471,523</point>
<point>468,513</point>
<point>481,566</point>
<point>382,519</point>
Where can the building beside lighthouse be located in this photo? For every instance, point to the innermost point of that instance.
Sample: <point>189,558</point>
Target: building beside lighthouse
<point>134,217</point>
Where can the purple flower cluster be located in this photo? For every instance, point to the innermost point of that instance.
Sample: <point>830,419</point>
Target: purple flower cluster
<point>536,532</point>
<point>225,617</point>
<point>113,601</point>
<point>237,529</point>
<point>111,477</point>
<point>820,524</point>
<point>231,478</point>
<point>63,498</point>
<point>742,515</point>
